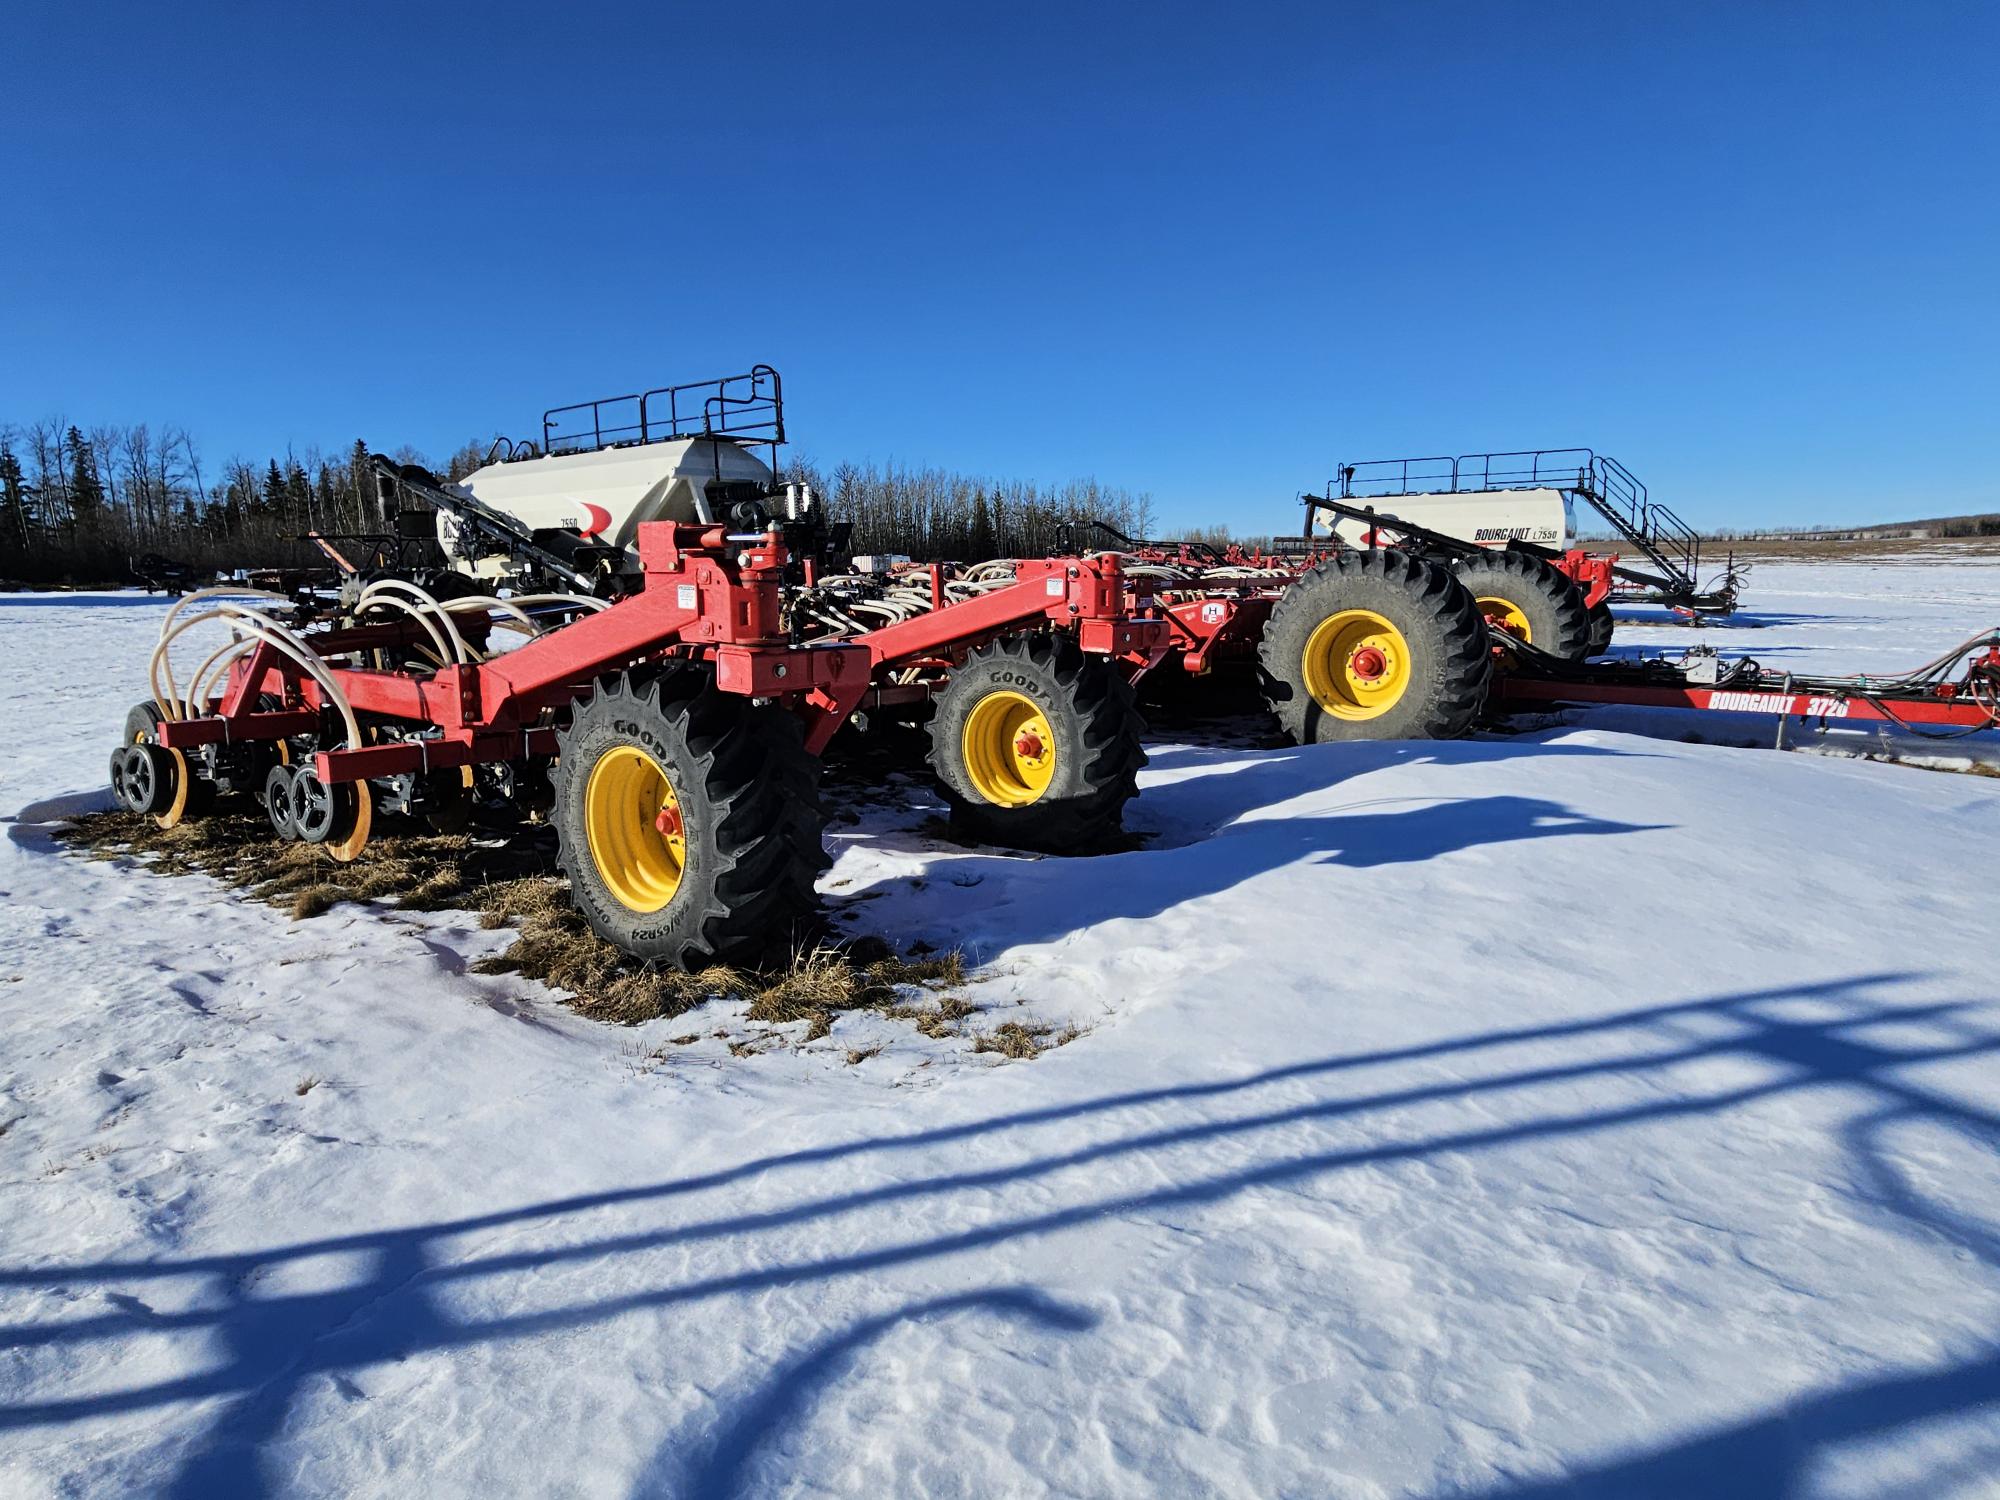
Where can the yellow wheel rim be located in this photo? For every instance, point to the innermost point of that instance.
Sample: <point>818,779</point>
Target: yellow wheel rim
<point>1504,615</point>
<point>348,850</point>
<point>1357,665</point>
<point>177,809</point>
<point>632,820</point>
<point>1009,749</point>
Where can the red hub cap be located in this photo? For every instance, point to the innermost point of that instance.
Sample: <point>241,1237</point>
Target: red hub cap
<point>1368,663</point>
<point>669,822</point>
<point>1029,746</point>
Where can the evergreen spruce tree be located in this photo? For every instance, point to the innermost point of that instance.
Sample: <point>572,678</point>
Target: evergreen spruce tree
<point>13,504</point>
<point>298,497</point>
<point>86,491</point>
<point>274,491</point>
<point>362,478</point>
<point>981,545</point>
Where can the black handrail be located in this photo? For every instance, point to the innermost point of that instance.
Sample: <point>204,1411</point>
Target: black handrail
<point>750,406</point>
<point>762,411</point>
<point>1375,477</point>
<point>516,449</point>
<point>556,442</point>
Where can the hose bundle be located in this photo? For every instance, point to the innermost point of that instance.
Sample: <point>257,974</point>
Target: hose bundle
<point>249,627</point>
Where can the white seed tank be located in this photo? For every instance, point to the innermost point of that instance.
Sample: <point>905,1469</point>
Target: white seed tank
<point>1490,518</point>
<point>604,495</point>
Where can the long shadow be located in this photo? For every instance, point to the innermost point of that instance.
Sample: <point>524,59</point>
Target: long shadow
<point>1643,1017</point>
<point>1760,619</point>
<point>272,1345</point>
<point>262,1344</point>
<point>1816,1046</point>
<point>1207,834</point>
<point>81,601</point>
<point>1743,619</point>
<point>1772,1456</point>
<point>1230,782</point>
<point>1045,903</point>
<point>721,1469</point>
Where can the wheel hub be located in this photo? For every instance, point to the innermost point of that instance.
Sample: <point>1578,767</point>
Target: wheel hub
<point>1368,663</point>
<point>314,810</point>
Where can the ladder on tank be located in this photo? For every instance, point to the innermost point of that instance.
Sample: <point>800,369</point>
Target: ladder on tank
<point>1606,485</point>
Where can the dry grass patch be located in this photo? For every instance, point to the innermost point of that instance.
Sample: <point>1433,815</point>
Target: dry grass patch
<point>516,884</point>
<point>863,976</point>
<point>421,872</point>
<point>1020,1041</point>
<point>935,1021</point>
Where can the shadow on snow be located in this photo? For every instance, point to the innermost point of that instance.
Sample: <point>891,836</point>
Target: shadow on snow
<point>1851,1038</point>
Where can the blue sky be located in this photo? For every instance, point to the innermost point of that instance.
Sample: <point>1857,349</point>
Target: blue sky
<point>1205,251</point>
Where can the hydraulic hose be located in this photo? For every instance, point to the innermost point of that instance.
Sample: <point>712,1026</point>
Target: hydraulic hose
<point>458,652</point>
<point>263,627</point>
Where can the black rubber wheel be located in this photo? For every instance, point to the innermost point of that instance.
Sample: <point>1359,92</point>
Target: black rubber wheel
<point>688,820</point>
<point>278,802</point>
<point>124,787</point>
<point>141,723</point>
<point>320,813</point>
<point>1038,744</point>
<point>1527,597</point>
<point>142,727</point>
<point>143,778</point>
<point>141,783</point>
<point>1601,627</point>
<point>1375,645</point>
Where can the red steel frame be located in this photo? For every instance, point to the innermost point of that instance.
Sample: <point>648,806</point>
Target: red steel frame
<point>718,598</point>
<point>1950,708</point>
<point>1225,625</point>
<point>707,594</point>
<point>1218,628</point>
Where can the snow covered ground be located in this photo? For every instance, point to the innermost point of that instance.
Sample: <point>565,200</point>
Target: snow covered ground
<point>1575,1113</point>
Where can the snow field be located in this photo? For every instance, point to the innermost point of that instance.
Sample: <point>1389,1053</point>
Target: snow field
<point>1565,1113</point>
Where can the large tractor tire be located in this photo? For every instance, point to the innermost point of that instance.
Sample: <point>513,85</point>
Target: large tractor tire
<point>1529,599</point>
<point>1601,627</point>
<point>1375,645</point>
<point>688,820</point>
<point>1038,745</point>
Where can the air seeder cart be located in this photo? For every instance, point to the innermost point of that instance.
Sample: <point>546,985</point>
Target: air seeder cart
<point>1370,624</point>
<point>1532,499</point>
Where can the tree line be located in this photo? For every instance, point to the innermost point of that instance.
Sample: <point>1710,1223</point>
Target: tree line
<point>932,513</point>
<point>89,505</point>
